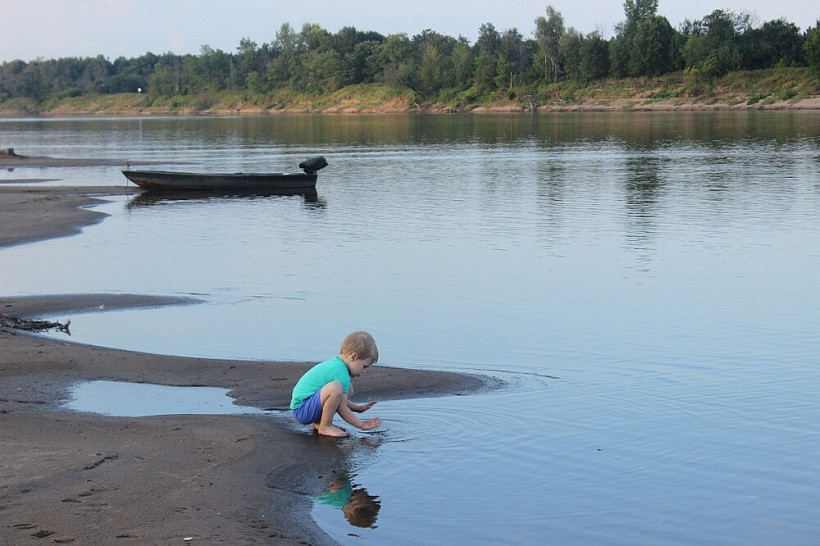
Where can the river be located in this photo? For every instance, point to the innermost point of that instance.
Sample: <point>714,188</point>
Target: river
<point>646,283</point>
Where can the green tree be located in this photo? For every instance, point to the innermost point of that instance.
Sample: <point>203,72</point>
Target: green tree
<point>167,77</point>
<point>515,54</point>
<point>594,57</point>
<point>322,71</point>
<point>488,41</point>
<point>637,11</point>
<point>315,66</point>
<point>433,62</point>
<point>776,43</point>
<point>571,53</point>
<point>463,62</point>
<point>397,60</point>
<point>548,33</point>
<point>126,83</point>
<point>128,75</point>
<point>642,28</point>
<point>363,62</point>
<point>65,77</point>
<point>652,47</point>
<point>430,72</point>
<point>312,38</point>
<point>487,48</point>
<point>27,81</point>
<point>245,62</point>
<point>620,48</point>
<point>811,47</point>
<point>712,47</point>
<point>353,65</point>
<point>285,50</point>
<point>207,72</point>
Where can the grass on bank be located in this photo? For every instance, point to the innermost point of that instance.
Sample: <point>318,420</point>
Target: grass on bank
<point>737,89</point>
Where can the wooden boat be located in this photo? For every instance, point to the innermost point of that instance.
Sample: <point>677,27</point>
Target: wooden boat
<point>267,182</point>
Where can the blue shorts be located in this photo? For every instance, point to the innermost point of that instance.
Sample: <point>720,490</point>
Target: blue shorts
<point>311,409</point>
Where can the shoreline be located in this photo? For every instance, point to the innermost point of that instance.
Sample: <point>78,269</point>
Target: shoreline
<point>647,95</point>
<point>90,478</point>
<point>32,214</point>
<point>635,104</point>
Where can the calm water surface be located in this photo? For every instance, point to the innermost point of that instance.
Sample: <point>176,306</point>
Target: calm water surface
<point>647,283</point>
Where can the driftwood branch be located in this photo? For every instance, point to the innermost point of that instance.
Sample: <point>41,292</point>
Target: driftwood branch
<point>8,321</point>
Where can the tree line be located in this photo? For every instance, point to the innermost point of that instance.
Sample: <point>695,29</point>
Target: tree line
<point>435,66</point>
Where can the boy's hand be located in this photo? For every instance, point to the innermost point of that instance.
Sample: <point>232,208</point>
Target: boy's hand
<point>371,423</point>
<point>362,407</point>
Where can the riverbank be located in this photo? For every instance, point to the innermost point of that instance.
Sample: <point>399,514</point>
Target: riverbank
<point>93,479</point>
<point>770,89</point>
<point>102,107</point>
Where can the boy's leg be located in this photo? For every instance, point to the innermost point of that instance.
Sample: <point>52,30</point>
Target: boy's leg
<point>332,397</point>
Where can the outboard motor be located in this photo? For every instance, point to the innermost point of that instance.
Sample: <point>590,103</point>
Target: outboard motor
<point>313,164</point>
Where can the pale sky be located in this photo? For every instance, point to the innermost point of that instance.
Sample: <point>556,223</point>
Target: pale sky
<point>86,28</point>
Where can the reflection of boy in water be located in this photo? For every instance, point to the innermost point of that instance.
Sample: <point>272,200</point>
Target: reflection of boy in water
<point>362,509</point>
<point>359,507</point>
<point>337,493</point>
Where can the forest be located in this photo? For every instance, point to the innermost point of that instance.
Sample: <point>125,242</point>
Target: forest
<point>434,67</point>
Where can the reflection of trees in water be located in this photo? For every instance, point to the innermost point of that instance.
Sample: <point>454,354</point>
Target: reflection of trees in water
<point>285,139</point>
<point>649,130</point>
<point>550,198</point>
<point>643,193</point>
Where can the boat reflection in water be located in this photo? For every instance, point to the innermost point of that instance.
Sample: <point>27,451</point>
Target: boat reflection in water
<point>166,197</point>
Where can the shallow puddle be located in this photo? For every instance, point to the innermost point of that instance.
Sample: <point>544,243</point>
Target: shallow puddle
<point>122,399</point>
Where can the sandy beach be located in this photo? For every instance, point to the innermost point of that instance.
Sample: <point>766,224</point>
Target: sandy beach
<point>87,479</point>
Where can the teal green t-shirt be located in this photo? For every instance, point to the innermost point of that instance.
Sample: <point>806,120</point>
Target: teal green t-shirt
<point>319,376</point>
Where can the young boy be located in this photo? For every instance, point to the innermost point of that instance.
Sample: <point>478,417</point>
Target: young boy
<point>325,389</point>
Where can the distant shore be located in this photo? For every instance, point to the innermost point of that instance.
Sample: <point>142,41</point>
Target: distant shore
<point>93,479</point>
<point>770,89</point>
<point>635,104</point>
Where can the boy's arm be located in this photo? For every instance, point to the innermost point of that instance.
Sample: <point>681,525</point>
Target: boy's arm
<point>360,407</point>
<point>346,413</point>
<point>357,407</point>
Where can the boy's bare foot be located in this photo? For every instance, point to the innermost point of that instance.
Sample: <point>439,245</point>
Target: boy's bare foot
<point>371,423</point>
<point>316,428</point>
<point>332,431</point>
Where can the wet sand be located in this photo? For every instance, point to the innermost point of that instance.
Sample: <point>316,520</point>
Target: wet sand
<point>83,478</point>
<point>15,159</point>
<point>31,213</point>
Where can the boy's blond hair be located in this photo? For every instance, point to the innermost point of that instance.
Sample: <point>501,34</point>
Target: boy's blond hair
<point>361,343</point>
